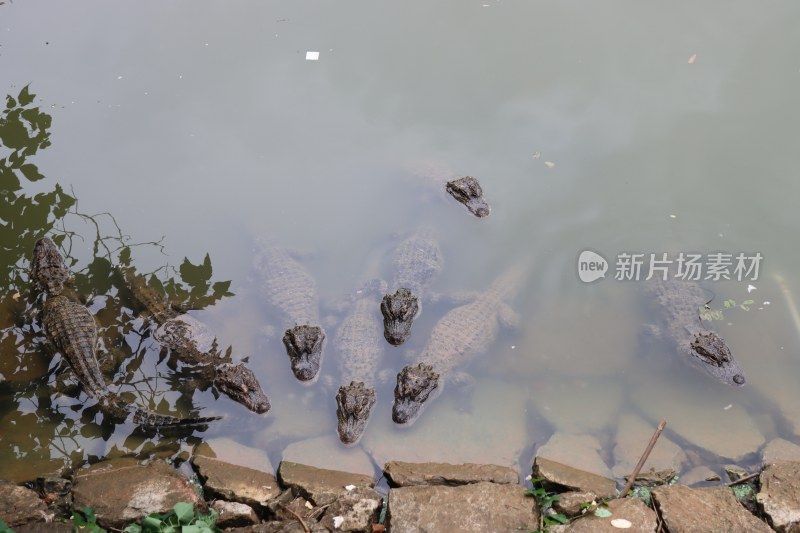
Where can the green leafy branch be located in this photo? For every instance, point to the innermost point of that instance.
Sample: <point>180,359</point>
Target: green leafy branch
<point>182,519</point>
<point>545,500</point>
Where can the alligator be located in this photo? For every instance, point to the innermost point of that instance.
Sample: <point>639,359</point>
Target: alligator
<point>192,343</point>
<point>468,191</point>
<point>417,262</point>
<point>71,329</point>
<point>291,289</point>
<point>460,334</point>
<point>679,304</point>
<point>358,341</point>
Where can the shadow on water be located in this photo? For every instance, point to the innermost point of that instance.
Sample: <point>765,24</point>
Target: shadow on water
<point>41,430</point>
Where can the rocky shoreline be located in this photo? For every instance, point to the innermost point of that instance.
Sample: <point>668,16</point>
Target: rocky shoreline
<point>410,497</point>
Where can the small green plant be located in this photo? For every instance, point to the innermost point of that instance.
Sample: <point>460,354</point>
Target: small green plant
<point>545,500</point>
<point>744,491</point>
<point>599,509</point>
<point>85,520</point>
<point>707,313</point>
<point>182,519</point>
<point>4,528</point>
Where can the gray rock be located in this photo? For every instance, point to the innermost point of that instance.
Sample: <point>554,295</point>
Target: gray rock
<point>642,518</point>
<point>235,483</point>
<point>778,450</point>
<point>571,503</point>
<point>45,527</point>
<point>558,475</point>
<point>579,451</point>
<point>698,474</point>
<point>20,506</point>
<point>479,507</point>
<point>705,510</point>
<point>779,497</point>
<point>735,472</point>
<point>234,514</point>
<point>633,434</point>
<point>354,511</point>
<point>123,491</point>
<point>401,474</point>
<point>318,485</point>
<point>327,450</point>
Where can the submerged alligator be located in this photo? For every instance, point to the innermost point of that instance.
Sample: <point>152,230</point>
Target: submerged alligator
<point>417,262</point>
<point>462,333</point>
<point>72,330</point>
<point>291,289</point>
<point>679,303</point>
<point>358,341</point>
<point>468,191</point>
<point>193,344</point>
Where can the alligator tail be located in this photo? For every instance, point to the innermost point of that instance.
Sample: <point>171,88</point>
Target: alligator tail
<point>118,409</point>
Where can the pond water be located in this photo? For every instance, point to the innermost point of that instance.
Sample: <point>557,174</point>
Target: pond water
<point>634,128</point>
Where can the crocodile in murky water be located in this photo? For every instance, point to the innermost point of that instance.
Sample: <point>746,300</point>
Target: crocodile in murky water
<point>462,333</point>
<point>679,305</point>
<point>291,289</point>
<point>192,343</point>
<point>417,262</point>
<point>468,191</point>
<point>72,330</point>
<point>360,348</point>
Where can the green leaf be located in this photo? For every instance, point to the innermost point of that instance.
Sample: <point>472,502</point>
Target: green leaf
<point>602,512</point>
<point>133,528</point>
<point>748,302</point>
<point>184,511</point>
<point>30,171</point>
<point>191,529</point>
<point>25,97</point>
<point>4,528</point>
<point>152,522</point>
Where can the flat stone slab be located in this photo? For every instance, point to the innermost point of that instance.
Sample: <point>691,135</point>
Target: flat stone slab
<point>779,496</point>
<point>19,505</point>
<point>236,483</point>
<point>354,511</point>
<point>128,491</point>
<point>698,474</point>
<point>318,485</point>
<point>779,450</point>
<point>633,434</point>
<point>402,474</point>
<point>642,519</point>
<point>579,451</point>
<point>479,507</point>
<point>704,510</point>
<point>571,503</point>
<point>326,451</point>
<point>561,475</point>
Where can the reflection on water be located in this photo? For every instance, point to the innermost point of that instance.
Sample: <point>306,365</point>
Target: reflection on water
<point>218,132</point>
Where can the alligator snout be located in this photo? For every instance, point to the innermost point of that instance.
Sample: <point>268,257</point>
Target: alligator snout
<point>399,311</point>
<point>468,191</point>
<point>304,347</point>
<point>240,384</point>
<point>415,385</point>
<point>353,407</point>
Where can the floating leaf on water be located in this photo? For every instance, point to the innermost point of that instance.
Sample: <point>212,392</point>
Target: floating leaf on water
<point>621,523</point>
<point>549,164</point>
<point>537,155</point>
<point>751,288</point>
<point>692,59</point>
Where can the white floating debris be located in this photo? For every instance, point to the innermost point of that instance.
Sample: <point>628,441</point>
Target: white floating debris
<point>766,302</point>
<point>673,216</point>
<point>119,77</point>
<point>549,164</point>
<point>528,477</point>
<point>692,59</point>
<point>312,56</point>
<point>537,155</point>
<point>309,505</point>
<point>727,407</point>
<point>751,288</point>
<point>337,521</point>
<point>621,523</point>
<point>513,347</point>
<point>349,487</point>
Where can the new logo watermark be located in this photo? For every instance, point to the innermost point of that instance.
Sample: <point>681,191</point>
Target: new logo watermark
<point>687,266</point>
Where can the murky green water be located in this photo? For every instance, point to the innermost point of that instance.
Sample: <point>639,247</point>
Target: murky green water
<point>638,127</point>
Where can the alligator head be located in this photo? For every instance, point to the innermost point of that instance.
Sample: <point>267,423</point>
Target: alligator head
<point>399,311</point>
<point>240,384</point>
<point>353,406</point>
<point>710,349</point>
<point>304,346</point>
<point>468,191</point>
<point>414,386</point>
<point>48,271</point>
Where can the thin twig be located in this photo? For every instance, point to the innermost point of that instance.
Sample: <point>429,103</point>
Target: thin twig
<point>742,480</point>
<point>298,517</point>
<point>645,455</point>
